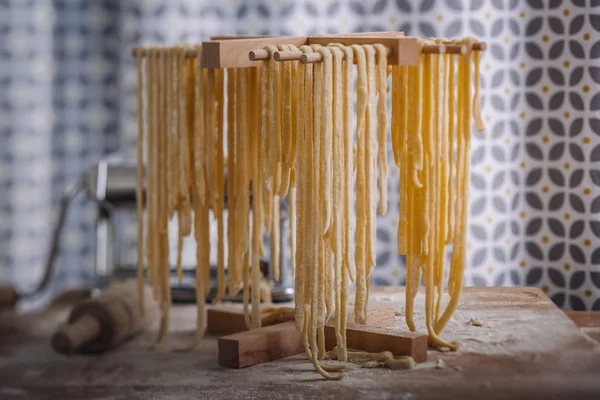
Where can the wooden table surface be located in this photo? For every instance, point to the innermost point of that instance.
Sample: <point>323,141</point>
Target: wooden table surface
<point>526,348</point>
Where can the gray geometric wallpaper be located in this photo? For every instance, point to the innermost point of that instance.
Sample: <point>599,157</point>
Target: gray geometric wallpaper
<point>535,181</point>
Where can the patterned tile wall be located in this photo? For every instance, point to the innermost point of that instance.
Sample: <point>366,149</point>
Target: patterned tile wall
<point>67,97</point>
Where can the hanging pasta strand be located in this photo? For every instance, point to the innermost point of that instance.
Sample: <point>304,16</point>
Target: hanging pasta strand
<point>304,132</point>
<point>286,125</point>
<point>451,141</point>
<point>414,152</point>
<point>476,97</point>
<point>219,205</point>
<point>348,258</point>
<point>257,183</point>
<point>274,138</point>
<point>382,162</point>
<point>457,266</point>
<point>232,282</point>
<point>361,299</point>
<point>142,93</point>
<point>370,144</point>
<point>163,199</point>
<point>338,192</point>
<point>180,150</point>
<point>150,197</point>
<point>196,80</point>
<point>442,189</point>
<point>401,109</point>
<point>327,138</point>
<point>348,104</point>
<point>242,164</point>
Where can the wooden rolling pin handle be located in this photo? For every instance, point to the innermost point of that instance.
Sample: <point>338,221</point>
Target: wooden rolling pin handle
<point>8,297</point>
<point>72,336</point>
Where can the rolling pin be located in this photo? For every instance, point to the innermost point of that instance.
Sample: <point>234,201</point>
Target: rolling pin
<point>101,323</point>
<point>8,297</point>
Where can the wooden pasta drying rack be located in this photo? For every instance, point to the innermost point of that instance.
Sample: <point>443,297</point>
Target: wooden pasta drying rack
<point>248,51</point>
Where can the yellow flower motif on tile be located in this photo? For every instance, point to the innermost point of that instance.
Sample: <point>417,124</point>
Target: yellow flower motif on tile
<point>567,165</point>
<point>587,191</point>
<point>587,242</point>
<point>586,140</point>
<point>567,216</point>
<point>545,38</point>
<point>545,288</point>
<point>567,115</point>
<point>586,36</point>
<point>489,220</point>
<point>522,214</point>
<point>588,293</point>
<point>566,64</point>
<point>566,13</point>
<point>545,189</point>
<point>440,18</point>
<point>567,267</point>
<point>545,239</point>
<point>490,270</point>
<point>522,65</point>
<point>545,139</point>
<point>522,264</point>
<point>522,14</point>
<point>545,89</point>
<point>586,89</point>
<point>522,165</point>
<point>522,115</point>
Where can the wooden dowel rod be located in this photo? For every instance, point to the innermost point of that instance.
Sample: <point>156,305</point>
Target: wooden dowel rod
<point>480,46</point>
<point>287,55</point>
<point>310,58</point>
<point>455,49</point>
<point>256,55</point>
<point>433,49</point>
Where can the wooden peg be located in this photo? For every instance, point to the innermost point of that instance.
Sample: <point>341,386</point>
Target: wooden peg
<point>433,49</point>
<point>287,55</point>
<point>480,46</point>
<point>260,54</point>
<point>455,49</point>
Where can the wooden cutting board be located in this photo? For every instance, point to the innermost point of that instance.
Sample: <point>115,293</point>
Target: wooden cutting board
<point>526,348</point>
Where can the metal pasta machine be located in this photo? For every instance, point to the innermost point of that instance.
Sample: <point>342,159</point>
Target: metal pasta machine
<point>111,184</point>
